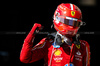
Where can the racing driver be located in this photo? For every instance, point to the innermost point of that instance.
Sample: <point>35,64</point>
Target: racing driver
<point>60,48</point>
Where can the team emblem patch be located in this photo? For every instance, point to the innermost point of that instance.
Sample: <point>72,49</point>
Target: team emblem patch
<point>78,46</point>
<point>72,13</point>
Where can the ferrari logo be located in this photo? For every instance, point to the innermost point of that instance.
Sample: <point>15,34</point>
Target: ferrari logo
<point>78,46</point>
<point>72,13</point>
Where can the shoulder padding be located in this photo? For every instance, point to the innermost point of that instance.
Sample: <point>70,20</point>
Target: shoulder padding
<point>42,41</point>
<point>85,43</point>
<point>41,44</point>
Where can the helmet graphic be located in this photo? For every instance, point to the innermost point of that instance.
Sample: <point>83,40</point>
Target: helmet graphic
<point>67,19</point>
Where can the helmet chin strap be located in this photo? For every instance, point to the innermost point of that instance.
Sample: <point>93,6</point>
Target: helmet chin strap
<point>60,39</point>
<point>65,39</point>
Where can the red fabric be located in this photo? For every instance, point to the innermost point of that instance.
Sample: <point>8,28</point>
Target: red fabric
<point>61,56</point>
<point>78,55</point>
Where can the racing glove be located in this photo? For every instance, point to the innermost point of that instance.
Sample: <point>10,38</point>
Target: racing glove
<point>30,37</point>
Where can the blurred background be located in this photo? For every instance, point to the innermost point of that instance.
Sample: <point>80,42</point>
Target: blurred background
<point>18,17</point>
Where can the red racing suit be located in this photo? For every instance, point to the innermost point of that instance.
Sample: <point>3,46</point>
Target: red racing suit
<point>76,55</point>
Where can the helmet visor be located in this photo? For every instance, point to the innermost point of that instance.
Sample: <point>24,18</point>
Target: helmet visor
<point>69,21</point>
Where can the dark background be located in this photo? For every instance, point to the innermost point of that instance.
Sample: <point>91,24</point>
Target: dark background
<point>19,16</point>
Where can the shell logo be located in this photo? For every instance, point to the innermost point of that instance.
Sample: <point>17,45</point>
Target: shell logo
<point>58,52</point>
